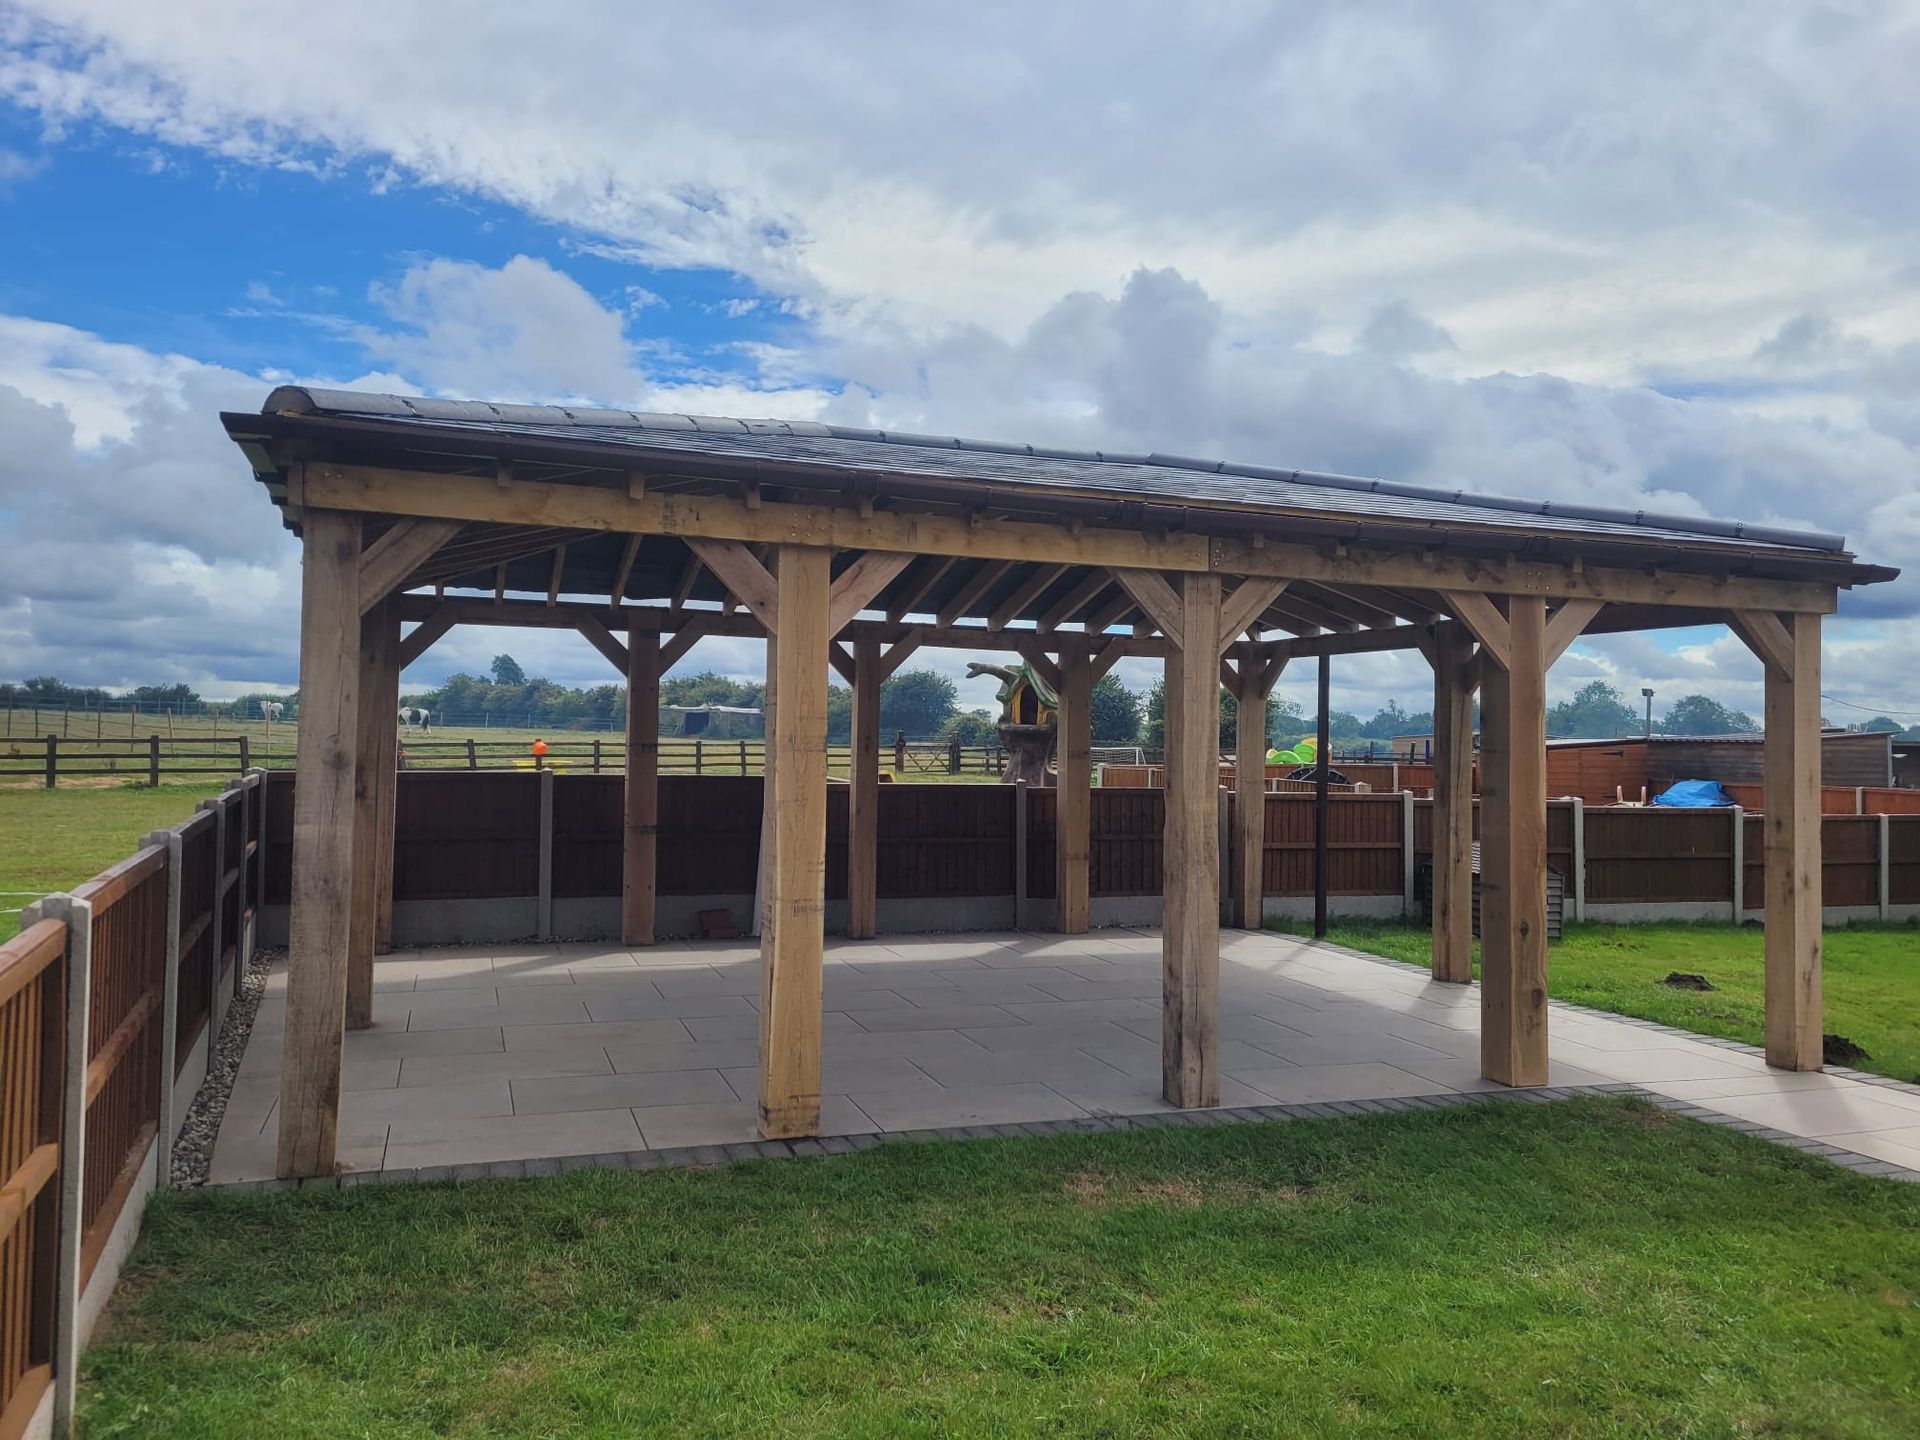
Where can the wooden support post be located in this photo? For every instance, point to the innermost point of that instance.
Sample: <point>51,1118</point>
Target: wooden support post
<point>1250,788</point>
<point>1190,938</point>
<point>639,863</point>
<point>377,734</point>
<point>863,797</point>
<point>323,830</point>
<point>1792,848</point>
<point>1073,800</point>
<point>1452,806</point>
<point>1513,854</point>
<point>792,947</point>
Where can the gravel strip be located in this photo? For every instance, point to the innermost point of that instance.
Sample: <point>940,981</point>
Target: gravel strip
<point>193,1151</point>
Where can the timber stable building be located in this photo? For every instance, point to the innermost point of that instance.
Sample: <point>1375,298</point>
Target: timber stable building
<point>849,549</point>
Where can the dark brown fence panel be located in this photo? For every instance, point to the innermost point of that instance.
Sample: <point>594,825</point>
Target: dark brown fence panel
<point>1903,859</point>
<point>1659,856</point>
<point>1363,845</point>
<point>1126,852</point>
<point>196,934</point>
<point>1423,829</point>
<point>466,836</point>
<point>32,1037</point>
<point>1041,813</point>
<point>709,835</point>
<point>123,1036</point>
<point>1850,860</point>
<point>232,883</point>
<point>277,835</point>
<point>588,833</point>
<point>1753,866</point>
<point>942,840</point>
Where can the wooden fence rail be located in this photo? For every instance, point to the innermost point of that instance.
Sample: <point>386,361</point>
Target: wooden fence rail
<point>105,996</point>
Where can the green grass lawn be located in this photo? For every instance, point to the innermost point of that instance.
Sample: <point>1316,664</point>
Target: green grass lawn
<point>54,839</point>
<point>1870,978</point>
<point>1595,1268</point>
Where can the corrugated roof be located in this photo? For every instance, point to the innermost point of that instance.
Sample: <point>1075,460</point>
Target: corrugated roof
<point>1156,477</point>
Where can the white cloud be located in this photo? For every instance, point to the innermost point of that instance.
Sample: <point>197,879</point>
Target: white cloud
<point>1441,244</point>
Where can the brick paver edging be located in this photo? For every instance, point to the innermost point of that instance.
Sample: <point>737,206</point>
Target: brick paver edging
<point>698,1155</point>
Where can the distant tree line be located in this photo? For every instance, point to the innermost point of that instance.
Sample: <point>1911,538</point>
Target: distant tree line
<point>921,703</point>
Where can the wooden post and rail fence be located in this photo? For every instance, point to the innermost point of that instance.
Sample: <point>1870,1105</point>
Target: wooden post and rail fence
<point>110,998</point>
<point>152,759</point>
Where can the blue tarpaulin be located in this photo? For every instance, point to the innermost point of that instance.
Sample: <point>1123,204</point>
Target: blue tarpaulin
<point>1693,795</point>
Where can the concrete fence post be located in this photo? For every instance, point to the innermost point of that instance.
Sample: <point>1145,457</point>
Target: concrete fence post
<point>1579,876</point>
<point>1406,852</point>
<point>545,921</point>
<point>1019,854</point>
<point>1886,866</point>
<point>259,868</point>
<point>170,1003</point>
<point>1859,799</point>
<point>1739,864</point>
<point>218,925</point>
<point>78,915</point>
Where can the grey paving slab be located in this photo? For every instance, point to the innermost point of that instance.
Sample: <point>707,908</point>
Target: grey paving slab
<point>510,1137</point>
<point>606,1092</point>
<point>611,1032</point>
<point>935,1015</point>
<point>963,1105</point>
<point>607,1051</point>
<point>637,1057</point>
<point>506,1065</point>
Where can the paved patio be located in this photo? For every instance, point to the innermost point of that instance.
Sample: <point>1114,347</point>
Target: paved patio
<point>533,1051</point>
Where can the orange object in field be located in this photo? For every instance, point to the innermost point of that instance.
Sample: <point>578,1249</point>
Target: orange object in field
<point>539,747</point>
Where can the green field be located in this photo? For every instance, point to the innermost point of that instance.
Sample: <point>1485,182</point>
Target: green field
<point>1585,1269</point>
<point>55,839</point>
<point>1870,978</point>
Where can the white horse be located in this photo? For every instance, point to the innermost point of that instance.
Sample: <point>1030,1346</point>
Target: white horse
<point>412,715</point>
<point>272,710</point>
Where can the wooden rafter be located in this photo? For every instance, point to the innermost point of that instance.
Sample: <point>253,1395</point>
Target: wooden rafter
<point>689,575</point>
<point>690,633</point>
<point>1037,582</point>
<point>1565,625</point>
<point>1083,594</point>
<point>913,595</point>
<point>1240,610</point>
<point>1767,637</point>
<point>618,590</point>
<point>1155,596</point>
<point>973,590</point>
<point>860,584</point>
<point>1119,605</point>
<point>602,639</point>
<point>742,573</point>
<point>386,564</point>
<point>1481,616</point>
<point>559,569</point>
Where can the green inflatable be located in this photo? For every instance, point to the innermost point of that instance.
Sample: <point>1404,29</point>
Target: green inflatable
<point>1304,753</point>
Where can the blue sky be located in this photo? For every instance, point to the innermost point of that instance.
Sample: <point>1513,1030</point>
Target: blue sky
<point>1640,255</point>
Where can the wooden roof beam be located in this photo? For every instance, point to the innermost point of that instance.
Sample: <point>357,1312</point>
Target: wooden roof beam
<point>914,595</point>
<point>434,495</point>
<point>386,564</point>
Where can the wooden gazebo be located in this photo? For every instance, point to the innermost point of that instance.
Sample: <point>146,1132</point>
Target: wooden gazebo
<point>848,549</point>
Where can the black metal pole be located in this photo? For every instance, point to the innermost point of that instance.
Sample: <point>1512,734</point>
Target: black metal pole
<point>1321,760</point>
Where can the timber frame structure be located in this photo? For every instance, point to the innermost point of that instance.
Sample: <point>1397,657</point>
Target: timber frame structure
<point>849,549</point>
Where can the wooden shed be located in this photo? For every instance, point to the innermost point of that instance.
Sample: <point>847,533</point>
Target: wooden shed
<point>1598,771</point>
